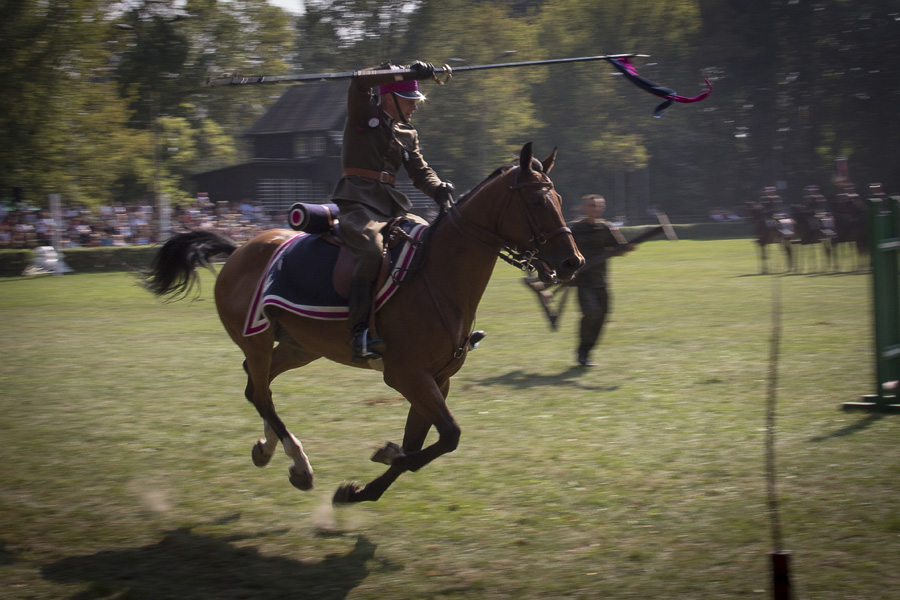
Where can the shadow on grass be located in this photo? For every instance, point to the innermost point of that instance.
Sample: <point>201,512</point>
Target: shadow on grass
<point>187,565</point>
<point>6,555</point>
<point>852,428</point>
<point>521,379</point>
<point>804,274</point>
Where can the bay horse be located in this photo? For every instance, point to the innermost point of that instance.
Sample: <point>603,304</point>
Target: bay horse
<point>851,224</point>
<point>814,229</point>
<point>771,229</point>
<point>425,325</point>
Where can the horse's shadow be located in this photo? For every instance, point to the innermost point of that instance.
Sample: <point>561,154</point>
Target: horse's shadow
<point>189,565</point>
<point>522,379</point>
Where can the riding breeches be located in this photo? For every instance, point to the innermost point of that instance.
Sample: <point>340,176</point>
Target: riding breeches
<point>363,232</point>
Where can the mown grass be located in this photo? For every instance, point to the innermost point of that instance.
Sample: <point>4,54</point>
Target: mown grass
<point>127,473</point>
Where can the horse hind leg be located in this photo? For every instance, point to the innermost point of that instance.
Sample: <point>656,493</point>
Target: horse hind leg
<point>264,449</point>
<point>261,370</point>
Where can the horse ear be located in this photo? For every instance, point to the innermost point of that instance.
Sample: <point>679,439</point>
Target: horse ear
<point>525,157</point>
<point>549,161</point>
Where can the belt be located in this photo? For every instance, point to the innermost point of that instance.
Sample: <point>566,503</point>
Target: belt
<point>380,176</point>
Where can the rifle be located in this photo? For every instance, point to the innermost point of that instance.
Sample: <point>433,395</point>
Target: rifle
<point>546,293</point>
<point>618,250</point>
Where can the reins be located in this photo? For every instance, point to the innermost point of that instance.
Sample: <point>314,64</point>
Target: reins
<point>520,259</point>
<point>507,251</point>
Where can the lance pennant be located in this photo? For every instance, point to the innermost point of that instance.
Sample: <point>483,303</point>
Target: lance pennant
<point>627,69</point>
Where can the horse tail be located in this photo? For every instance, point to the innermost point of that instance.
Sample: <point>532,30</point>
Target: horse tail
<point>173,271</point>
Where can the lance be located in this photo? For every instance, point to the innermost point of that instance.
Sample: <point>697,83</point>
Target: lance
<point>445,70</point>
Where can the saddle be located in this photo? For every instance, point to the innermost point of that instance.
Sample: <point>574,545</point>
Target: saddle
<point>783,223</point>
<point>309,274</point>
<point>826,224</point>
<point>321,219</point>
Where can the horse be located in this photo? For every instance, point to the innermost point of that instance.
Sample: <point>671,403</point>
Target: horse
<point>425,325</point>
<point>812,227</point>
<point>851,225</point>
<point>771,229</point>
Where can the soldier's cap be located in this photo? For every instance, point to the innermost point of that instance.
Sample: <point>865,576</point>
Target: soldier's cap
<point>404,89</point>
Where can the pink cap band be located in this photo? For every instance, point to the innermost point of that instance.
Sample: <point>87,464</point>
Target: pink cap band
<point>404,89</point>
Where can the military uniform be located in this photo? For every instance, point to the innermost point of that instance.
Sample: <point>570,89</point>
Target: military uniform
<point>593,239</point>
<point>376,143</point>
<point>375,147</point>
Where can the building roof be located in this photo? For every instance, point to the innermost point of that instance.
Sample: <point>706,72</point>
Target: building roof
<point>308,107</point>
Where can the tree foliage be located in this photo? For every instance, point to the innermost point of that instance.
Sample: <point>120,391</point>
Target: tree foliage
<point>97,111</point>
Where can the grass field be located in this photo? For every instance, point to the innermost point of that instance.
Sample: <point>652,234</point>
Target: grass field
<point>126,442</point>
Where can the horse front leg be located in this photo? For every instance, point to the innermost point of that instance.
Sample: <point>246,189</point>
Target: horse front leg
<point>409,456</point>
<point>762,258</point>
<point>788,254</point>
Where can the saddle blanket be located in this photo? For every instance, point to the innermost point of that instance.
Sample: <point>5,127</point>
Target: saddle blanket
<point>298,279</point>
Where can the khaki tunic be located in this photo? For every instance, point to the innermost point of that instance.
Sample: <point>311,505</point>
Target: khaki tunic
<point>374,141</point>
<point>387,146</point>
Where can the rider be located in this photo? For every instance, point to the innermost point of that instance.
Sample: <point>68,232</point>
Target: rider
<point>771,202</point>
<point>378,140</point>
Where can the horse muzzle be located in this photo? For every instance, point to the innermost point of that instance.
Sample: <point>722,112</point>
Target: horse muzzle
<point>558,271</point>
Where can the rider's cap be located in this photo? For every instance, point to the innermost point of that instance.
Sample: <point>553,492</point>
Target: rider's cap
<point>404,89</point>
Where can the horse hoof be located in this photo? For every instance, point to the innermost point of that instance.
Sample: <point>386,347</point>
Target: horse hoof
<point>346,493</point>
<point>301,479</point>
<point>387,454</point>
<point>260,458</point>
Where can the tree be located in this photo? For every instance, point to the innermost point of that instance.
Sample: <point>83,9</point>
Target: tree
<point>478,120</point>
<point>163,69</point>
<point>53,64</point>
<point>602,122</point>
<point>805,84</point>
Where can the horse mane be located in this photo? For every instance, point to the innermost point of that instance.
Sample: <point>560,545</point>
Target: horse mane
<point>535,164</point>
<point>442,215</point>
<point>422,255</point>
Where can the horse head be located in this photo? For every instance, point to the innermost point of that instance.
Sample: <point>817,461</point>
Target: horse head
<point>534,225</point>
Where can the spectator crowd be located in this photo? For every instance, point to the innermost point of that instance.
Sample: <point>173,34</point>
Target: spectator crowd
<point>23,226</point>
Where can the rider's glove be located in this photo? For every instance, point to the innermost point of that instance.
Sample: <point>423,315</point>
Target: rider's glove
<point>422,70</point>
<point>444,195</point>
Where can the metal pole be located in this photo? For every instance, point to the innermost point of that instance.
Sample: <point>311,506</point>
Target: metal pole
<point>781,575</point>
<point>158,202</point>
<point>884,221</point>
<point>56,216</point>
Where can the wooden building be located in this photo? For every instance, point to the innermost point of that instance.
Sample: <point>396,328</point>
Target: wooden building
<point>296,154</point>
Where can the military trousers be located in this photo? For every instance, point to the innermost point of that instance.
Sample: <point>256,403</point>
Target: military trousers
<point>594,304</point>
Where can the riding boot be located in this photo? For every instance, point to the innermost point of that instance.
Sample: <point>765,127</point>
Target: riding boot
<point>360,304</point>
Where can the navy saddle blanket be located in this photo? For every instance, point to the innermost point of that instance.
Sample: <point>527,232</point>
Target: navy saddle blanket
<point>298,278</point>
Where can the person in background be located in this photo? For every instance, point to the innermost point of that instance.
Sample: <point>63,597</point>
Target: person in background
<point>594,236</point>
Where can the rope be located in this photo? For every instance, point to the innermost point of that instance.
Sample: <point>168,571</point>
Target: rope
<point>772,395</point>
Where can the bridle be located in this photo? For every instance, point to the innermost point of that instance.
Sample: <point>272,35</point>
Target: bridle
<point>519,258</point>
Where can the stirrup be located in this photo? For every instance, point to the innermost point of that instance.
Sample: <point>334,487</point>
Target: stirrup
<point>474,338</point>
<point>362,348</point>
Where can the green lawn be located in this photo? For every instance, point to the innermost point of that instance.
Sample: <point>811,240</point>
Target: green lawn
<point>127,472</point>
